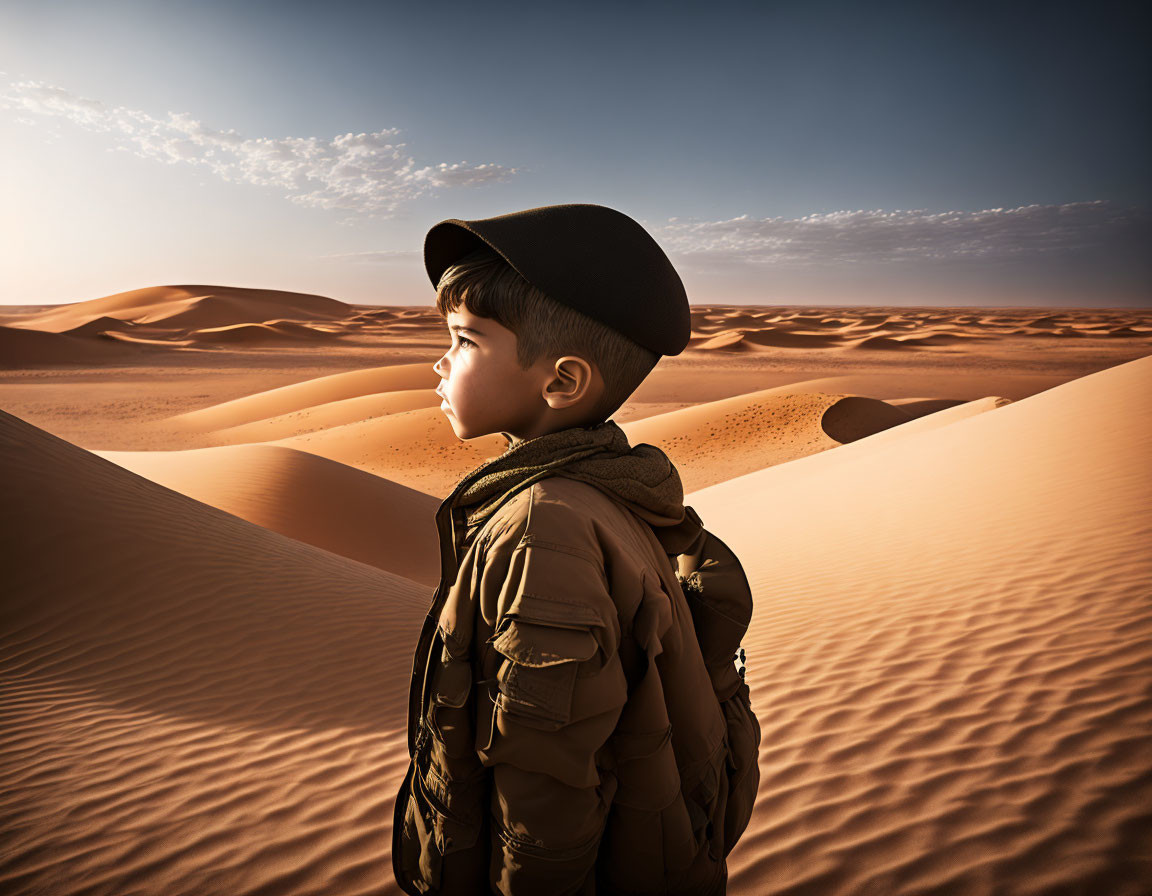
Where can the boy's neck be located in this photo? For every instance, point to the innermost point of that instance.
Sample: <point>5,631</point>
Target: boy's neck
<point>513,441</point>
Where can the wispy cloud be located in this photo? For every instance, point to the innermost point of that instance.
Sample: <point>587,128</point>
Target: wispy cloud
<point>384,256</point>
<point>366,173</point>
<point>850,237</point>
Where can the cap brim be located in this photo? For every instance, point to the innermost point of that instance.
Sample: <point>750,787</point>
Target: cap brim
<point>448,242</point>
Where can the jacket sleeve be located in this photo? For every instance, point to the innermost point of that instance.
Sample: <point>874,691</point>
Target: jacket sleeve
<point>545,717</point>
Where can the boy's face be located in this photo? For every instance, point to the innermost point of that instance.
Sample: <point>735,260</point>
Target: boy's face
<point>484,389</point>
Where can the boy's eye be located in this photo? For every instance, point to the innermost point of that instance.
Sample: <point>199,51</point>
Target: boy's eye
<point>463,340</point>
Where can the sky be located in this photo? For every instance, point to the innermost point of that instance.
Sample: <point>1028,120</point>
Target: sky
<point>782,153</point>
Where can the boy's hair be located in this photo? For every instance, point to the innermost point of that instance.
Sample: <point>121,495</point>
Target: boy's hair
<point>489,287</point>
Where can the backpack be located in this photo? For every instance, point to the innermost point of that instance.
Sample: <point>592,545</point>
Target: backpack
<point>720,599</point>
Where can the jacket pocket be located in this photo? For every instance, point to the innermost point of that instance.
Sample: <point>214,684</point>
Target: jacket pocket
<point>543,654</point>
<point>417,863</point>
<point>436,848</point>
<point>455,808</point>
<point>449,716</point>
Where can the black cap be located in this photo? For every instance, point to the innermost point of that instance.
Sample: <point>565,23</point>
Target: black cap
<point>589,257</point>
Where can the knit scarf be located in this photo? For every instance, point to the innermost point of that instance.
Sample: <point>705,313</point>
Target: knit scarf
<point>641,476</point>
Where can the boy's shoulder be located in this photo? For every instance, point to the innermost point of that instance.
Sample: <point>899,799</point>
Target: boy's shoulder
<point>557,511</point>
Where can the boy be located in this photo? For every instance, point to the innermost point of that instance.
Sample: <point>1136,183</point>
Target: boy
<point>564,732</point>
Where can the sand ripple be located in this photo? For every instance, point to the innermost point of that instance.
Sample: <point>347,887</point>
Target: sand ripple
<point>951,655</point>
<point>188,703</point>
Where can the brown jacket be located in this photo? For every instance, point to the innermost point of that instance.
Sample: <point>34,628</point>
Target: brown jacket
<point>564,733</point>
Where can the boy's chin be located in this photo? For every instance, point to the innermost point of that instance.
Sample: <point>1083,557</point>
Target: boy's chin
<point>463,431</point>
<point>466,430</point>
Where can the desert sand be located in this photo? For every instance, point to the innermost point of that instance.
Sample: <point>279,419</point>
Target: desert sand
<point>218,543</point>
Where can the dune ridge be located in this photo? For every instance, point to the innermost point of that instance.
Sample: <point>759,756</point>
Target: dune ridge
<point>719,440</point>
<point>189,308</point>
<point>255,334</point>
<point>306,497</point>
<point>326,415</point>
<point>309,394</point>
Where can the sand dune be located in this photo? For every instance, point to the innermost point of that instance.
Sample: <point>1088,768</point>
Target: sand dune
<point>309,498</point>
<point>903,342</point>
<point>325,416</point>
<point>938,417</point>
<point>189,308</point>
<point>143,337</point>
<point>381,314</point>
<point>919,407</point>
<point>254,334</point>
<point>970,665</point>
<point>901,385</point>
<point>99,326</point>
<point>191,704</point>
<point>708,443</point>
<point>950,652</point>
<point>204,654</point>
<point>403,436</point>
<point>720,440</point>
<point>21,347</point>
<point>222,318</point>
<point>174,319</point>
<point>735,330</point>
<point>415,448</point>
<point>309,394</point>
<point>816,461</point>
<point>753,340</point>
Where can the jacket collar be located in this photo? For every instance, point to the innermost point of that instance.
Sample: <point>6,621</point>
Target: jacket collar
<point>641,477</point>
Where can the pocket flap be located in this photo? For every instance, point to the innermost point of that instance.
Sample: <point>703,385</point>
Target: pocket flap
<point>531,644</point>
<point>555,610</point>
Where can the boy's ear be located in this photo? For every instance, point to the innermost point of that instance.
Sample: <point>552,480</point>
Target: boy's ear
<point>573,379</point>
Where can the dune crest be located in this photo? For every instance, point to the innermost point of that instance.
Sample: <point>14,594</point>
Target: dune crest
<point>306,497</point>
<point>309,394</point>
<point>255,334</point>
<point>189,307</point>
<point>327,415</point>
<point>720,440</point>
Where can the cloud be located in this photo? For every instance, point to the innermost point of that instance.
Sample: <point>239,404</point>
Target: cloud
<point>384,256</point>
<point>853,237</point>
<point>368,173</point>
